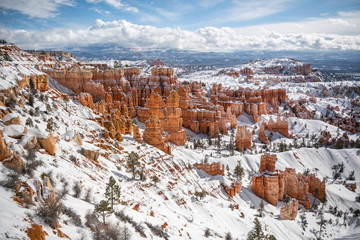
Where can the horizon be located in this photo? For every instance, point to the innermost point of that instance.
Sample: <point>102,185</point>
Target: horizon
<point>202,26</point>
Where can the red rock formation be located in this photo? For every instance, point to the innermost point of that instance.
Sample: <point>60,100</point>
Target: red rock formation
<point>243,138</point>
<point>267,163</point>
<point>136,134</point>
<point>315,183</point>
<point>262,136</point>
<point>233,189</point>
<point>212,169</point>
<point>5,152</point>
<point>15,163</point>
<point>280,126</point>
<point>350,186</point>
<point>274,185</point>
<point>153,134</point>
<point>289,210</point>
<point>86,100</point>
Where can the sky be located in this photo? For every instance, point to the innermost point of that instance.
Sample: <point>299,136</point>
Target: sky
<point>199,25</point>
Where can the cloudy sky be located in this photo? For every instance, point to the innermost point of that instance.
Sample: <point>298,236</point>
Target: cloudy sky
<point>200,25</point>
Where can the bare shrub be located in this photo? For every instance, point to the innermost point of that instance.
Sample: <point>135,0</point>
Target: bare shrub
<point>91,220</point>
<point>88,195</point>
<point>49,213</point>
<point>77,190</point>
<point>157,231</point>
<point>75,218</point>
<point>11,179</point>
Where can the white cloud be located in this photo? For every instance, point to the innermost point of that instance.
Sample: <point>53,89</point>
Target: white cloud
<point>128,35</point>
<point>35,8</point>
<point>116,4</point>
<point>242,10</point>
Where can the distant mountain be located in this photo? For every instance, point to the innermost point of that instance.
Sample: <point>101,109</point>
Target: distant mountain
<point>334,61</point>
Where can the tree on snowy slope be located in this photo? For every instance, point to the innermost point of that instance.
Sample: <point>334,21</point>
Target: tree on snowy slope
<point>133,163</point>
<point>261,209</point>
<point>258,234</point>
<point>239,171</point>
<point>103,209</point>
<point>112,193</point>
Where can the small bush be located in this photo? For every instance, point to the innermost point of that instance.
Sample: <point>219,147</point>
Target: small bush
<point>91,220</point>
<point>49,212</point>
<point>29,122</point>
<point>157,231</point>
<point>75,218</point>
<point>73,159</point>
<point>207,232</point>
<point>88,195</point>
<point>31,100</point>
<point>228,236</point>
<point>77,190</point>
<point>10,180</point>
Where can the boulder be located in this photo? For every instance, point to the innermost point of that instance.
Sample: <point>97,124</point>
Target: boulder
<point>11,118</point>
<point>15,163</point>
<point>78,139</point>
<point>90,154</point>
<point>48,143</point>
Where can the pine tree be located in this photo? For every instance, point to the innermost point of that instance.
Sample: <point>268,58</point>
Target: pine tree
<point>133,163</point>
<point>103,209</point>
<point>218,145</point>
<point>239,171</point>
<point>304,222</point>
<point>231,146</point>
<point>155,179</point>
<point>257,233</point>
<point>261,209</point>
<point>321,223</point>
<point>112,192</point>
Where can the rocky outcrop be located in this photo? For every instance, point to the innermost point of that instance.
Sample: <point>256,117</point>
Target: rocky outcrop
<point>11,118</point>
<point>15,163</point>
<point>136,134</point>
<point>280,126</point>
<point>15,131</point>
<point>5,152</point>
<point>90,154</point>
<point>86,100</point>
<point>289,210</point>
<point>350,185</point>
<point>48,143</point>
<point>272,185</point>
<point>211,169</point>
<point>233,189</point>
<point>243,138</point>
<point>153,134</point>
<point>262,135</point>
<point>315,183</point>
<point>267,163</point>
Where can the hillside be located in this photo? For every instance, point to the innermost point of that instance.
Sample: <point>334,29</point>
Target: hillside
<point>59,149</point>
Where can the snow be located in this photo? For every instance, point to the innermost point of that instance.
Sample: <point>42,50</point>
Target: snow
<point>172,199</point>
<point>13,130</point>
<point>10,116</point>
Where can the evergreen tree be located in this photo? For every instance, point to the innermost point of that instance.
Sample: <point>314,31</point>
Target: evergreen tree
<point>218,144</point>
<point>231,146</point>
<point>351,176</point>
<point>304,222</point>
<point>321,223</point>
<point>257,233</point>
<point>261,209</point>
<point>155,179</point>
<point>112,193</point>
<point>103,209</point>
<point>239,171</point>
<point>133,163</point>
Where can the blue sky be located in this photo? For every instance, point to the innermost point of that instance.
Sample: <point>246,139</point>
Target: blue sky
<point>204,25</point>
